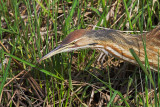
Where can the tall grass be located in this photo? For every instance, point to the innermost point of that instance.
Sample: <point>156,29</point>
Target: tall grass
<point>30,29</point>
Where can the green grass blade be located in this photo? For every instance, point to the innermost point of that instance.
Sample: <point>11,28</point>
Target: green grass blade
<point>128,16</point>
<point>119,93</point>
<point>5,75</point>
<point>141,65</point>
<point>112,98</point>
<point>9,31</point>
<point>67,21</point>
<point>42,70</point>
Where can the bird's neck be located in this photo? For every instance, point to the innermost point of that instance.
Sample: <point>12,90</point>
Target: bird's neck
<point>118,44</point>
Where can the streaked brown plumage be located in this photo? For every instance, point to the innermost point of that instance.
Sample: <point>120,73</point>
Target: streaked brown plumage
<point>113,42</point>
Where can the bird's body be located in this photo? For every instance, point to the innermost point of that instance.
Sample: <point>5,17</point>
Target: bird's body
<point>113,42</point>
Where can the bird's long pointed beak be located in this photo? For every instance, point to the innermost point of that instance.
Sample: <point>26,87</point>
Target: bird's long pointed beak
<point>53,52</point>
<point>57,50</point>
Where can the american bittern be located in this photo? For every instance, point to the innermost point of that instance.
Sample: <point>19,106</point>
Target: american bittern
<point>113,42</point>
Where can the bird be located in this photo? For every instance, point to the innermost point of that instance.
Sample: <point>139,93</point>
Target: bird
<point>115,43</point>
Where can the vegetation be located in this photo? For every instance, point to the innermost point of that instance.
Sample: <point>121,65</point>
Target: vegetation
<point>30,29</point>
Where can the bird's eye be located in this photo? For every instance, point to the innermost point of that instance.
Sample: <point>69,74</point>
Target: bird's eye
<point>93,44</point>
<point>72,43</point>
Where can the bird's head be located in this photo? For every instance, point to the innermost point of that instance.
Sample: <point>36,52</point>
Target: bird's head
<point>78,39</point>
